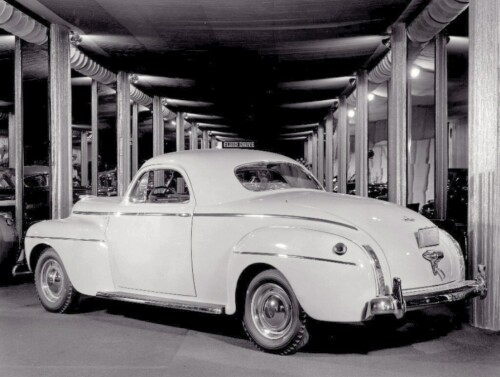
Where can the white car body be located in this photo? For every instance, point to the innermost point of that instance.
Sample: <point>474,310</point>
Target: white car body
<point>193,255</point>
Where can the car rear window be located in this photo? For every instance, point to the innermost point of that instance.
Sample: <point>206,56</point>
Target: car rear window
<point>263,176</point>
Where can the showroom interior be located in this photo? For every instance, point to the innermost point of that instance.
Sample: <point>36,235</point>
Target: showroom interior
<point>395,100</point>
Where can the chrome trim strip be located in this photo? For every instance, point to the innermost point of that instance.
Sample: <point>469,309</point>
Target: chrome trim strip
<point>183,214</point>
<point>285,256</point>
<point>377,270</point>
<point>274,216</point>
<point>66,238</point>
<point>163,302</point>
<point>215,215</point>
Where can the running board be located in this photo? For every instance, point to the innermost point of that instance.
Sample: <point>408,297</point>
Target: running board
<point>163,302</point>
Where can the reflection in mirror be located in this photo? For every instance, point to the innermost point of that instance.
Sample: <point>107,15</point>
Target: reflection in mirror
<point>81,135</point>
<point>421,128</point>
<point>35,73</point>
<point>7,43</point>
<point>107,140</point>
<point>377,141</point>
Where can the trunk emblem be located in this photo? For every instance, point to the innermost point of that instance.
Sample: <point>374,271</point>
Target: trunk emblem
<point>434,257</point>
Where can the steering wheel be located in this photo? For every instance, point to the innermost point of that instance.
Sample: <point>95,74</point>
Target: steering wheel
<point>160,192</point>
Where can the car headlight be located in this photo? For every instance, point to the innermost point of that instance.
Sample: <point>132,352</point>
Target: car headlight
<point>458,251</point>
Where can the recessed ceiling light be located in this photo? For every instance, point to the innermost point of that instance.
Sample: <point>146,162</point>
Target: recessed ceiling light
<point>351,113</point>
<point>371,96</point>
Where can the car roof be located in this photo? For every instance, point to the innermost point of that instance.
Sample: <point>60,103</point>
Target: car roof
<point>211,171</point>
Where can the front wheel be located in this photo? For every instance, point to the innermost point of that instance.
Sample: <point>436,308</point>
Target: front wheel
<point>273,318</point>
<point>54,289</point>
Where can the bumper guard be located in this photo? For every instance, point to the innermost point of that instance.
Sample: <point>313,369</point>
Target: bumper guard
<point>397,304</point>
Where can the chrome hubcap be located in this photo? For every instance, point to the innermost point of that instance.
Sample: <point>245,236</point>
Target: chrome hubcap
<point>52,280</point>
<point>271,311</point>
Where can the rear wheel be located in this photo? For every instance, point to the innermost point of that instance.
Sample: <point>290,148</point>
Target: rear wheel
<point>273,318</point>
<point>54,289</point>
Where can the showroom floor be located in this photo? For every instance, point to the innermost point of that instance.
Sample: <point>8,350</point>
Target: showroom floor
<point>118,339</point>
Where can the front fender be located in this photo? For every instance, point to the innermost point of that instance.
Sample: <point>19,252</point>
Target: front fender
<point>329,287</point>
<point>81,245</point>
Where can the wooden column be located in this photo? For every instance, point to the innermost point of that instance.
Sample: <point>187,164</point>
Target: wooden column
<point>397,120</point>
<point>361,138</point>
<point>179,132</point>
<point>321,153</point>
<point>343,147</point>
<point>61,170</point>
<point>18,138</point>
<point>309,150</point>
<point>329,152</point>
<point>158,127</point>
<point>94,120</point>
<point>315,153</point>
<point>484,155</point>
<point>123,131</point>
<point>194,137</point>
<point>441,124</point>
<point>206,139</point>
<point>135,138</point>
<point>84,157</point>
<point>306,147</point>
<point>12,140</point>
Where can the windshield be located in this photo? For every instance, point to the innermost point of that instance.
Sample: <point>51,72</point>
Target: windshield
<point>263,176</point>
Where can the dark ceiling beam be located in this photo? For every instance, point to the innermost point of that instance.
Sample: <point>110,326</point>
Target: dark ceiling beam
<point>172,102</point>
<point>330,83</point>
<point>221,133</point>
<point>203,117</point>
<point>297,134</point>
<point>203,125</point>
<point>300,126</point>
<point>296,138</point>
<point>225,138</point>
<point>313,105</point>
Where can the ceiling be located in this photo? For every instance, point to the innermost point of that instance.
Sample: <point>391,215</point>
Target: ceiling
<point>256,65</point>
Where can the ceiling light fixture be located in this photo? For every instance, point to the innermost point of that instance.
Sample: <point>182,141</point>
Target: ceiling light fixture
<point>371,96</point>
<point>351,113</point>
<point>414,72</point>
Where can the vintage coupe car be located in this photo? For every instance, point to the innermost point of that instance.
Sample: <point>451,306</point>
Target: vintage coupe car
<point>249,233</point>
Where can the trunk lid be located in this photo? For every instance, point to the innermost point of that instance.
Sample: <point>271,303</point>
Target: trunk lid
<point>393,229</point>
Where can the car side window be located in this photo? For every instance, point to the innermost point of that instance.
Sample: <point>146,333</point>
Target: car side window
<point>160,186</point>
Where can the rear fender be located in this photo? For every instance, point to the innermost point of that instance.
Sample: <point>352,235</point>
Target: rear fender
<point>329,287</point>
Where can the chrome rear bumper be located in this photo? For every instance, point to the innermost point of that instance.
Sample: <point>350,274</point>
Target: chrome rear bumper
<point>398,305</point>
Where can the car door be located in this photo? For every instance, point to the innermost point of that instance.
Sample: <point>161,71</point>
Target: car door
<point>150,235</point>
